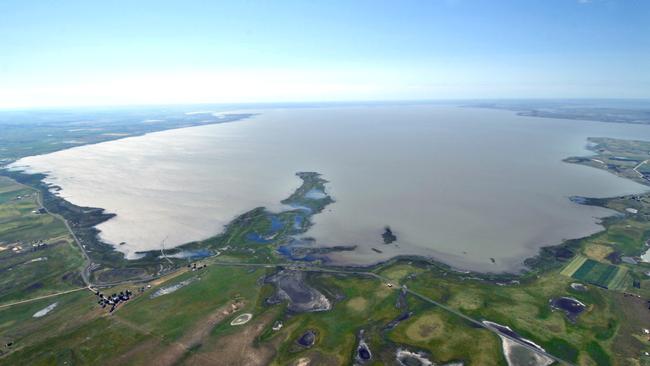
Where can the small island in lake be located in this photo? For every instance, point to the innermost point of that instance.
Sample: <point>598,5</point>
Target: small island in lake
<point>388,235</point>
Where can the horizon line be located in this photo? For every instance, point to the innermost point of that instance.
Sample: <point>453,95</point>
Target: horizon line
<point>324,102</point>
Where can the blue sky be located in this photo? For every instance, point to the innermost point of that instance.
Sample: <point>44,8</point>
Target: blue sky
<point>149,52</point>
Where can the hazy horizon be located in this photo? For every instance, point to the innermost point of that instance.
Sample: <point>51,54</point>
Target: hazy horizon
<point>233,106</point>
<point>77,53</point>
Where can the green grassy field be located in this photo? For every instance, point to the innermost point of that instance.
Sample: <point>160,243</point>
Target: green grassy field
<point>525,308</point>
<point>19,327</point>
<point>18,222</point>
<point>33,271</point>
<point>191,326</point>
<point>365,304</point>
<point>574,265</point>
<point>360,303</point>
<point>77,331</point>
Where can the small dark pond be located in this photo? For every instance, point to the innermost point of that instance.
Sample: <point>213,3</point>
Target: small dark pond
<point>364,352</point>
<point>307,339</point>
<point>570,306</point>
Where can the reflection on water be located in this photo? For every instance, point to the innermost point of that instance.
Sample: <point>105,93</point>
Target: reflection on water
<point>462,185</point>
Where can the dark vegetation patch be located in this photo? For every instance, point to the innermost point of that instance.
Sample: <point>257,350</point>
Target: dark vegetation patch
<point>292,287</point>
<point>614,257</point>
<point>120,274</point>
<point>563,349</point>
<point>34,286</point>
<point>552,257</point>
<point>388,235</point>
<point>73,278</point>
<point>597,354</point>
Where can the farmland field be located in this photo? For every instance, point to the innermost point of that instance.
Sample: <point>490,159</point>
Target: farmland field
<point>600,274</point>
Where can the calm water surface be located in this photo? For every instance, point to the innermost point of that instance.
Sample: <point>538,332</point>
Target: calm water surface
<point>458,184</point>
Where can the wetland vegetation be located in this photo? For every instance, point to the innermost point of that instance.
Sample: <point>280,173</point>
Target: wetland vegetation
<point>263,270</point>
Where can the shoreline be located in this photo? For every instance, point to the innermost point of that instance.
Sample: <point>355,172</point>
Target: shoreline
<point>229,118</point>
<point>545,258</point>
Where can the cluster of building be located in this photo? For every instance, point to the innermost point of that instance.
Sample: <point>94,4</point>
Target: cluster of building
<point>39,245</point>
<point>22,196</point>
<point>194,267</point>
<point>113,300</point>
<point>19,247</point>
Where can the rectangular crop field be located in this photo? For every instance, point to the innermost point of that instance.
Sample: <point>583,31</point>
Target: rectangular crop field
<point>600,274</point>
<point>574,265</point>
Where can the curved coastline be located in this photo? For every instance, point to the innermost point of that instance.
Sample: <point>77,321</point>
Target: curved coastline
<point>545,258</point>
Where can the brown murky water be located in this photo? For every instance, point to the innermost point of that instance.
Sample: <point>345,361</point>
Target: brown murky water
<point>458,184</point>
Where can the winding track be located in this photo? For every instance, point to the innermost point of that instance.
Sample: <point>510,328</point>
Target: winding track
<point>293,266</point>
<point>85,274</point>
<point>429,300</point>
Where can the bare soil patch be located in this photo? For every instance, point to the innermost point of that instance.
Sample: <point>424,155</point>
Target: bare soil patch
<point>426,327</point>
<point>597,251</point>
<point>174,352</point>
<point>358,304</point>
<point>240,348</point>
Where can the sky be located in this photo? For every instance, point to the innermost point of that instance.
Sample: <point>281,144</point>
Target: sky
<point>84,53</point>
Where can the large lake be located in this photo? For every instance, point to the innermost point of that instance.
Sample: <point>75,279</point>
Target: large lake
<point>461,185</point>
